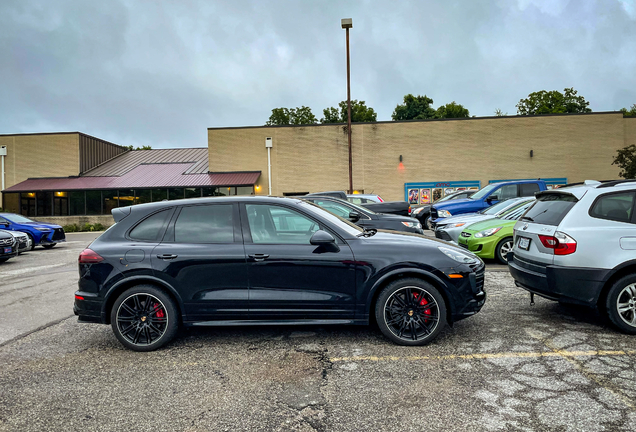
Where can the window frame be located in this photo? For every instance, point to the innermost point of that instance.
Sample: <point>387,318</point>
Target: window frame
<point>632,219</point>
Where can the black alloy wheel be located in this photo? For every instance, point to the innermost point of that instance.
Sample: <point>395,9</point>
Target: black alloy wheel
<point>410,312</point>
<point>621,304</point>
<point>49,246</point>
<point>144,318</point>
<point>503,247</point>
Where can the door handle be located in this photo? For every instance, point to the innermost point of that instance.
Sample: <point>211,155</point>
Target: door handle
<point>259,257</point>
<point>167,256</point>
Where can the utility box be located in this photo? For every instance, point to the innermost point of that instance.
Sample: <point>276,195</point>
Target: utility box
<point>268,142</point>
<point>3,150</point>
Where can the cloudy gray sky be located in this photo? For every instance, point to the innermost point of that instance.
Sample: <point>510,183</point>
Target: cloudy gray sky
<point>160,73</point>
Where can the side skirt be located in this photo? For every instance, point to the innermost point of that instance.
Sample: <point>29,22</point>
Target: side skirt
<point>227,323</point>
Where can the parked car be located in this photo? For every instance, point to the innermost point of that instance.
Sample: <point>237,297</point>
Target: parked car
<point>195,261</point>
<point>22,240</point>
<point>364,217</point>
<point>40,233</point>
<point>578,245</point>
<point>400,208</point>
<point>8,246</point>
<point>492,238</point>
<point>364,198</point>
<point>452,227</point>
<point>424,212</point>
<point>485,197</point>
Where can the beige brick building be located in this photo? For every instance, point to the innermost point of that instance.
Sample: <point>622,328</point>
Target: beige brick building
<point>315,158</point>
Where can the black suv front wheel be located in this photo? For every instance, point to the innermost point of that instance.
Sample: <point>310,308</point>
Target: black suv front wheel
<point>144,318</point>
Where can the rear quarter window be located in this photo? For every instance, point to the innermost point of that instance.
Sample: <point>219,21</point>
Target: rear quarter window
<point>617,207</point>
<point>550,209</point>
<point>150,228</point>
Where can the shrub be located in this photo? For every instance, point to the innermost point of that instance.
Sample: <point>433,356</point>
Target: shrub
<point>98,227</point>
<point>87,227</point>
<point>70,228</point>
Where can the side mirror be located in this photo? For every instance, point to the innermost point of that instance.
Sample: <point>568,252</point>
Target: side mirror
<point>324,239</point>
<point>492,198</point>
<point>354,217</point>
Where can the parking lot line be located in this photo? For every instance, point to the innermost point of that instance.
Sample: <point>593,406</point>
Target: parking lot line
<point>480,356</point>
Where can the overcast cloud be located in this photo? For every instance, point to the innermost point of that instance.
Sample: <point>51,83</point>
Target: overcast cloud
<point>160,73</point>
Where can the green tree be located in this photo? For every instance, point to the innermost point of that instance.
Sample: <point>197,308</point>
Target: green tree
<point>414,108</point>
<point>452,110</point>
<point>500,113</point>
<point>291,116</point>
<point>130,147</point>
<point>360,113</point>
<point>626,161</point>
<point>629,113</point>
<point>553,102</point>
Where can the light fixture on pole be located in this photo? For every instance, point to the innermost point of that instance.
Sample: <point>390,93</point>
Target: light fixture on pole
<point>347,23</point>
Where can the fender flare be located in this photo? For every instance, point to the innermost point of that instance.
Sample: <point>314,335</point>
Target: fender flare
<point>142,279</point>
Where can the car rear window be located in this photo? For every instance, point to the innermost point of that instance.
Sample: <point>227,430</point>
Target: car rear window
<point>550,209</point>
<point>528,189</point>
<point>616,207</point>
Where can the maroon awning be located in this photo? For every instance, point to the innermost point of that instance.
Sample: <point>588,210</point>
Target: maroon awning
<point>143,176</point>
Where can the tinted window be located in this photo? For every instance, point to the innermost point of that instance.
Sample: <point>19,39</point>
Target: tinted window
<point>506,192</point>
<point>617,207</point>
<point>334,207</point>
<point>150,228</point>
<point>528,189</point>
<point>279,225</point>
<point>205,224</point>
<point>550,209</point>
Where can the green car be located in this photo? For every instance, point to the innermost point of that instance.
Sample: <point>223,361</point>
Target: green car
<point>492,238</point>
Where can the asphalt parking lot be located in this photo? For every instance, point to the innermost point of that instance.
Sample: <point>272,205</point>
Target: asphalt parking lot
<point>512,367</point>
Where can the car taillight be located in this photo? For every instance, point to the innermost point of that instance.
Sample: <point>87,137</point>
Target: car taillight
<point>380,198</point>
<point>89,256</point>
<point>562,243</point>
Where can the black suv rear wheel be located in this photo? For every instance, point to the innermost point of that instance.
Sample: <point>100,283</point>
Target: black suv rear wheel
<point>144,318</point>
<point>410,311</point>
<point>621,304</point>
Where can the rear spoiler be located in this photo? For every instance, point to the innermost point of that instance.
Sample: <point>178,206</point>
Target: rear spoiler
<point>577,193</point>
<point>120,213</point>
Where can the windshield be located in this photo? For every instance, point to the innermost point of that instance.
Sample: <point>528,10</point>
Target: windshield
<point>362,210</point>
<point>16,218</point>
<point>484,192</point>
<point>514,206</point>
<point>496,208</point>
<point>343,224</point>
<point>516,212</point>
<point>448,197</point>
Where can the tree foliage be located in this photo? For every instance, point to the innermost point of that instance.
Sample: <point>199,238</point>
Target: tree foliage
<point>130,147</point>
<point>500,113</point>
<point>291,116</point>
<point>360,113</point>
<point>452,110</point>
<point>629,113</point>
<point>626,161</point>
<point>553,102</point>
<point>414,108</point>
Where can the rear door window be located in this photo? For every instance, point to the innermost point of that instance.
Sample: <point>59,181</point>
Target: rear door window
<point>151,228</point>
<point>528,189</point>
<point>550,209</point>
<point>205,224</point>
<point>617,207</point>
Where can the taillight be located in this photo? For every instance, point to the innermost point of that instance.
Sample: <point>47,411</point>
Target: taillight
<point>89,256</point>
<point>562,243</point>
<point>380,198</point>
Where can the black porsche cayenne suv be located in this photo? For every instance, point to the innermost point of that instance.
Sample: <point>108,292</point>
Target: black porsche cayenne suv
<point>265,260</point>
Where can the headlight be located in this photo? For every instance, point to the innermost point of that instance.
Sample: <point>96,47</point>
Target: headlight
<point>488,232</point>
<point>412,224</point>
<point>417,210</point>
<point>458,256</point>
<point>444,213</point>
<point>455,225</point>
<point>44,229</point>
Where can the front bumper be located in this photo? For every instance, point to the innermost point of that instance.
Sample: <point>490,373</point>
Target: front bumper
<point>57,235</point>
<point>568,284</point>
<point>470,289</point>
<point>483,247</point>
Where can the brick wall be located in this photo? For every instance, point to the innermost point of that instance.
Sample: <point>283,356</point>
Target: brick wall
<point>315,158</point>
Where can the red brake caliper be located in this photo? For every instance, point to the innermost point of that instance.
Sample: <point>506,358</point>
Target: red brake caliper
<point>423,302</point>
<point>159,313</point>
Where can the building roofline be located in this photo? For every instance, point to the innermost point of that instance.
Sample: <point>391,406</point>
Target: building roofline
<point>417,121</point>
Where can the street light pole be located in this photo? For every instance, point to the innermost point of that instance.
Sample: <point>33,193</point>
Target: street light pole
<point>347,23</point>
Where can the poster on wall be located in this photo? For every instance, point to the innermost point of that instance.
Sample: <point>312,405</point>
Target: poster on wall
<point>414,195</point>
<point>425,196</point>
<point>438,193</point>
<point>460,189</point>
<point>448,191</point>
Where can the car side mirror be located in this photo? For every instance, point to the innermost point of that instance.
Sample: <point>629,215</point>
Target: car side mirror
<point>325,240</point>
<point>492,198</point>
<point>354,217</point>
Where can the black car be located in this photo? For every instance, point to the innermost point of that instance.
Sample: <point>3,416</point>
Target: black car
<point>8,246</point>
<point>365,217</point>
<point>423,213</point>
<point>265,260</point>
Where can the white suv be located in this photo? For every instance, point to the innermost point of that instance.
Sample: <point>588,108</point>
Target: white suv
<point>578,244</point>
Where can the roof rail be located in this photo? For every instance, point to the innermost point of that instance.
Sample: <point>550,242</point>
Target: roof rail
<point>612,183</point>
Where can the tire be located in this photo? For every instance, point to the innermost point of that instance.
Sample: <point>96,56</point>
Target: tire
<point>620,305</point>
<point>425,223</point>
<point>404,319</point>
<point>3,260</point>
<point>137,321</point>
<point>49,246</point>
<point>503,247</point>
<point>31,240</point>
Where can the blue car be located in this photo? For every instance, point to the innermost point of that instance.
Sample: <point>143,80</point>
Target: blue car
<point>41,234</point>
<point>487,196</point>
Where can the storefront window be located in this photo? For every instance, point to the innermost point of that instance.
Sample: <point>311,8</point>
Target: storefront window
<point>159,195</point>
<point>212,191</point>
<point>44,203</point>
<point>77,203</point>
<point>192,192</point>
<point>110,201</point>
<point>244,190</point>
<point>126,197</point>
<point>93,202</point>
<point>174,194</point>
<point>60,204</point>
<point>27,204</point>
<point>11,202</point>
<point>142,196</point>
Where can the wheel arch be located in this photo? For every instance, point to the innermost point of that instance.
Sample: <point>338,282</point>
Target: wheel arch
<point>394,275</point>
<point>123,285</point>
<point>625,269</point>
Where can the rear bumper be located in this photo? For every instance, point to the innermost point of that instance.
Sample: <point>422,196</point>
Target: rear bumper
<point>568,284</point>
<point>89,309</point>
